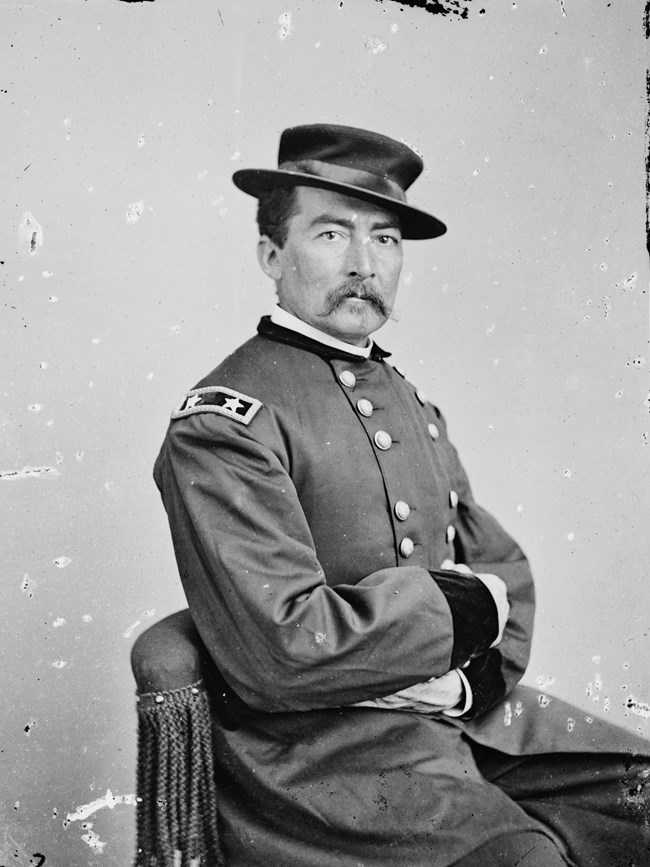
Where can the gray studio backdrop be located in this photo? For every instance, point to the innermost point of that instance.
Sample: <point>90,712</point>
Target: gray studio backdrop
<point>128,272</point>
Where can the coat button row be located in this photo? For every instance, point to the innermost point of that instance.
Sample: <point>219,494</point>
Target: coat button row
<point>453,499</point>
<point>421,396</point>
<point>406,547</point>
<point>451,533</point>
<point>383,440</point>
<point>434,433</point>
<point>347,378</point>
<point>402,510</point>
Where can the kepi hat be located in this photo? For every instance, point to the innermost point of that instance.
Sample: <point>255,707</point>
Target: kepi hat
<point>355,162</point>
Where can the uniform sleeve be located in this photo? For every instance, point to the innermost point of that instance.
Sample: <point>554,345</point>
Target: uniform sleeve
<point>485,546</point>
<point>280,636</point>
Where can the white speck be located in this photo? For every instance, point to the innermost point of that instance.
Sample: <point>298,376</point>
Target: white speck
<point>67,122</point>
<point>316,44</point>
<point>486,159</point>
<point>490,77</point>
<point>128,632</point>
<point>265,586</point>
<point>60,621</point>
<point>30,229</point>
<point>490,427</point>
<point>79,456</point>
<point>520,508</point>
<point>543,49</point>
<point>59,458</point>
<point>375,44</point>
<point>475,172</point>
<point>24,586</point>
<point>604,266</point>
<point>175,329</point>
<point>320,637</point>
<point>28,473</point>
<point>108,800</point>
<point>490,329</point>
<point>43,365</point>
<point>59,663</point>
<point>619,393</point>
<point>570,724</point>
<point>149,612</point>
<point>53,299</point>
<point>62,562</point>
<point>570,536</point>
<point>596,659</point>
<point>47,274</point>
<point>35,407</point>
<point>507,717</point>
<point>50,422</point>
<point>286,28</point>
<point>96,340</point>
<point>149,376</point>
<point>93,841</point>
<point>638,361</point>
<point>606,703</point>
<point>141,141</point>
<point>202,175</point>
<point>629,283</point>
<point>91,189</point>
<point>544,681</point>
<point>109,485</point>
<point>408,278</point>
<point>531,186</point>
<point>236,155</point>
<point>567,474</point>
<point>87,618</point>
<point>598,680</point>
<point>394,28</point>
<point>543,700</point>
<point>519,708</point>
<point>134,211</point>
<point>640,708</point>
<point>589,719</point>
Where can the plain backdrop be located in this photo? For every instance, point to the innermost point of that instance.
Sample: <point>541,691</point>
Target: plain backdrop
<point>129,271</point>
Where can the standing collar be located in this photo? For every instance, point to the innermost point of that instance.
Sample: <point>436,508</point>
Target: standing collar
<point>282,334</point>
<point>288,320</point>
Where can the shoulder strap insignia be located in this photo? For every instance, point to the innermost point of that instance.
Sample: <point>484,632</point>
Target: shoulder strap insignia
<point>219,399</point>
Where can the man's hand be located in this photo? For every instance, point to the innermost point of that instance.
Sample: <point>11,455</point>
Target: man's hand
<point>495,585</point>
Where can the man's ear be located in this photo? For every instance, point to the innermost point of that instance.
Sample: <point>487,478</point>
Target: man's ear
<point>267,256</point>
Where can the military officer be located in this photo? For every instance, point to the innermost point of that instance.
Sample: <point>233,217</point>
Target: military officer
<point>370,622</point>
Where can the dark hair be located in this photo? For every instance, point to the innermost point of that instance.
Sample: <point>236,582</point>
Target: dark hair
<point>274,210</point>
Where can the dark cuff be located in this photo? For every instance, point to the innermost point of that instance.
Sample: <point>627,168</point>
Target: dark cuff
<point>487,683</point>
<point>473,612</point>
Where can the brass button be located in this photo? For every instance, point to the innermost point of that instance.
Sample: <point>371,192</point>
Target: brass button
<point>451,533</point>
<point>383,440</point>
<point>421,396</point>
<point>406,547</point>
<point>348,379</point>
<point>365,407</point>
<point>453,499</point>
<point>402,510</point>
<point>434,433</point>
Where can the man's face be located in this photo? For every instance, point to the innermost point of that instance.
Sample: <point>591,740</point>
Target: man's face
<point>339,267</point>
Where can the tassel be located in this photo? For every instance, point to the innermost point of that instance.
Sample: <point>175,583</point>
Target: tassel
<point>177,798</point>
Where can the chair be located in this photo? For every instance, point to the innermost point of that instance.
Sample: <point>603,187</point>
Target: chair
<point>176,791</point>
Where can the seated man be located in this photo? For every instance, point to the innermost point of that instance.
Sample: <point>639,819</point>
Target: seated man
<point>368,618</point>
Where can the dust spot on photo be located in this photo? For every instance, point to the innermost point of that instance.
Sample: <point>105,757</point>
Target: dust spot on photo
<point>32,232</point>
<point>375,44</point>
<point>28,473</point>
<point>134,211</point>
<point>62,562</point>
<point>286,28</point>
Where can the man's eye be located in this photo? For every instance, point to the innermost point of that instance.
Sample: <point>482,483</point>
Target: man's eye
<point>330,235</point>
<point>387,240</point>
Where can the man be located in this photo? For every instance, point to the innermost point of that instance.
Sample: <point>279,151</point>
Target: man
<point>367,617</point>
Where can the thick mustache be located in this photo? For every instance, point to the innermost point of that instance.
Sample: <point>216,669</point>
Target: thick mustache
<point>362,289</point>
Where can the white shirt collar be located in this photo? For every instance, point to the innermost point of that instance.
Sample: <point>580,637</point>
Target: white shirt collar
<point>288,320</point>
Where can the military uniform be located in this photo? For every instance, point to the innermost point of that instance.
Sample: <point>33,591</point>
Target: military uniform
<point>312,497</point>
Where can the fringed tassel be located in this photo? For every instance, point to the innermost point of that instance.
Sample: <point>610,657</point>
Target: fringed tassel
<point>177,798</point>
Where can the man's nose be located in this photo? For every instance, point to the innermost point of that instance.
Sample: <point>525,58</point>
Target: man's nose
<point>360,263</point>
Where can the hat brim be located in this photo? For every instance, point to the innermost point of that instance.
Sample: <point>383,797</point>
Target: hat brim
<point>416,224</point>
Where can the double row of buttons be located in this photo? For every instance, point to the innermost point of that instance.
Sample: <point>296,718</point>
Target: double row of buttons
<point>384,441</point>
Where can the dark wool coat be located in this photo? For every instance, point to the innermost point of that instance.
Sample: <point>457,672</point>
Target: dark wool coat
<point>312,497</point>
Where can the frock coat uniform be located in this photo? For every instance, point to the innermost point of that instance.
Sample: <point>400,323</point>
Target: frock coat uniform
<point>313,496</point>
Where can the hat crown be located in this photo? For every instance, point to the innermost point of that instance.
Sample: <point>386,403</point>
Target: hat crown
<point>353,148</point>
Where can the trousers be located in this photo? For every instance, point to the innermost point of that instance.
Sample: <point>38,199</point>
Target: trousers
<point>595,809</point>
